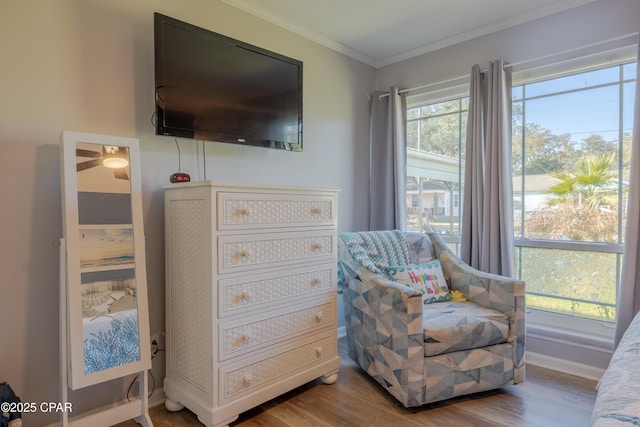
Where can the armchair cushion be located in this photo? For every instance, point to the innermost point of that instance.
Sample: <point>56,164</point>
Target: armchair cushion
<point>457,326</point>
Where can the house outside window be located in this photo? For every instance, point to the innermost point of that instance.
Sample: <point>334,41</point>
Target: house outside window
<point>571,155</point>
<point>436,135</point>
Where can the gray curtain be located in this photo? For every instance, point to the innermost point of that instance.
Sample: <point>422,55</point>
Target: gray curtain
<point>628,303</point>
<point>388,161</point>
<point>487,215</point>
<point>471,245</point>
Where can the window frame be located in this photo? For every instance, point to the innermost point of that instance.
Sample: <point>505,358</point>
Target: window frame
<point>567,326</point>
<point>549,319</point>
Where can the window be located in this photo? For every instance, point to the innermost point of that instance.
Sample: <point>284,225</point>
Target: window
<point>571,158</point>
<point>435,156</point>
<point>571,155</point>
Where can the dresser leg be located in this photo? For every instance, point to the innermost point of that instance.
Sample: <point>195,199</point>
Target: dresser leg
<point>226,423</point>
<point>329,378</point>
<point>173,406</point>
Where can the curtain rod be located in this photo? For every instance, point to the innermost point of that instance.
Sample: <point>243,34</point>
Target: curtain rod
<point>466,77</point>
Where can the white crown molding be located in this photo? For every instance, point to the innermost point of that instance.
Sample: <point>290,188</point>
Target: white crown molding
<point>482,31</point>
<point>262,13</point>
<point>288,25</point>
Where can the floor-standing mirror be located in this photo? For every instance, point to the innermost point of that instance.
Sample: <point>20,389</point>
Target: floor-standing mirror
<point>104,312</point>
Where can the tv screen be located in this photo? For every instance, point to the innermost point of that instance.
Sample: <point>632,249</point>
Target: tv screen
<point>215,88</point>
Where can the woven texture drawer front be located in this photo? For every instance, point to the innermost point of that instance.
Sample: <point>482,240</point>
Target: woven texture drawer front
<point>249,378</point>
<point>261,250</point>
<point>243,210</point>
<point>244,293</point>
<point>249,335</point>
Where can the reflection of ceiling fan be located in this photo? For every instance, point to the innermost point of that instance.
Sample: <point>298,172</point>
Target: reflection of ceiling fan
<point>112,157</point>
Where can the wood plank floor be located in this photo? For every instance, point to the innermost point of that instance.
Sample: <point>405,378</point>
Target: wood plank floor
<point>547,399</point>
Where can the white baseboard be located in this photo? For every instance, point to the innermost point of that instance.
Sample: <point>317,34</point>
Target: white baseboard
<point>157,398</point>
<point>564,366</point>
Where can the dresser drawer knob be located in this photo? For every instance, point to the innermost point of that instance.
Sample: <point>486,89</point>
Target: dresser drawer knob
<point>316,247</point>
<point>245,297</point>
<point>242,256</point>
<point>246,380</point>
<point>319,351</point>
<point>242,341</point>
<point>246,339</point>
<point>244,213</point>
<point>316,211</point>
<point>315,282</point>
<point>319,317</point>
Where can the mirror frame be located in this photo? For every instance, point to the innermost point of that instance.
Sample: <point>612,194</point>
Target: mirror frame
<point>78,376</point>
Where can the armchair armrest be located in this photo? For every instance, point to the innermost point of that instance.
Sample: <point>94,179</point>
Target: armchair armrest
<point>500,293</point>
<point>385,285</point>
<point>394,307</point>
<point>384,333</point>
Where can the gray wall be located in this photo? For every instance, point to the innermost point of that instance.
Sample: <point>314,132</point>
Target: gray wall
<point>87,65</point>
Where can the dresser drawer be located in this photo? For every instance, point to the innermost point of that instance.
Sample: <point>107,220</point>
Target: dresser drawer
<point>251,375</point>
<point>249,293</point>
<point>255,210</point>
<point>240,336</point>
<point>253,251</point>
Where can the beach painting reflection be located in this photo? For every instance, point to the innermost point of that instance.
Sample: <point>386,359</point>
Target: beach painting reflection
<point>106,247</point>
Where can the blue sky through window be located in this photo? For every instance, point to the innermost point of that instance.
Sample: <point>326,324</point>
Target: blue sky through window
<point>577,105</point>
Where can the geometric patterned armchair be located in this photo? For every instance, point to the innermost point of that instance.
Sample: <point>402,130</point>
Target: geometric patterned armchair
<point>419,352</point>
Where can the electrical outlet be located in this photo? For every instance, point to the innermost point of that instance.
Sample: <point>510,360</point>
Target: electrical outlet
<point>156,343</point>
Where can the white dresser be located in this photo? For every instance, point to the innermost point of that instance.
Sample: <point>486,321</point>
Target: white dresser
<point>250,294</point>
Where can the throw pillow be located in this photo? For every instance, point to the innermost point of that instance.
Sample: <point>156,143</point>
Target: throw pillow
<point>426,278</point>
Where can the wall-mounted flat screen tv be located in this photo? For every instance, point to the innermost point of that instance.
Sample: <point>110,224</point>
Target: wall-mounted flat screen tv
<point>215,88</point>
